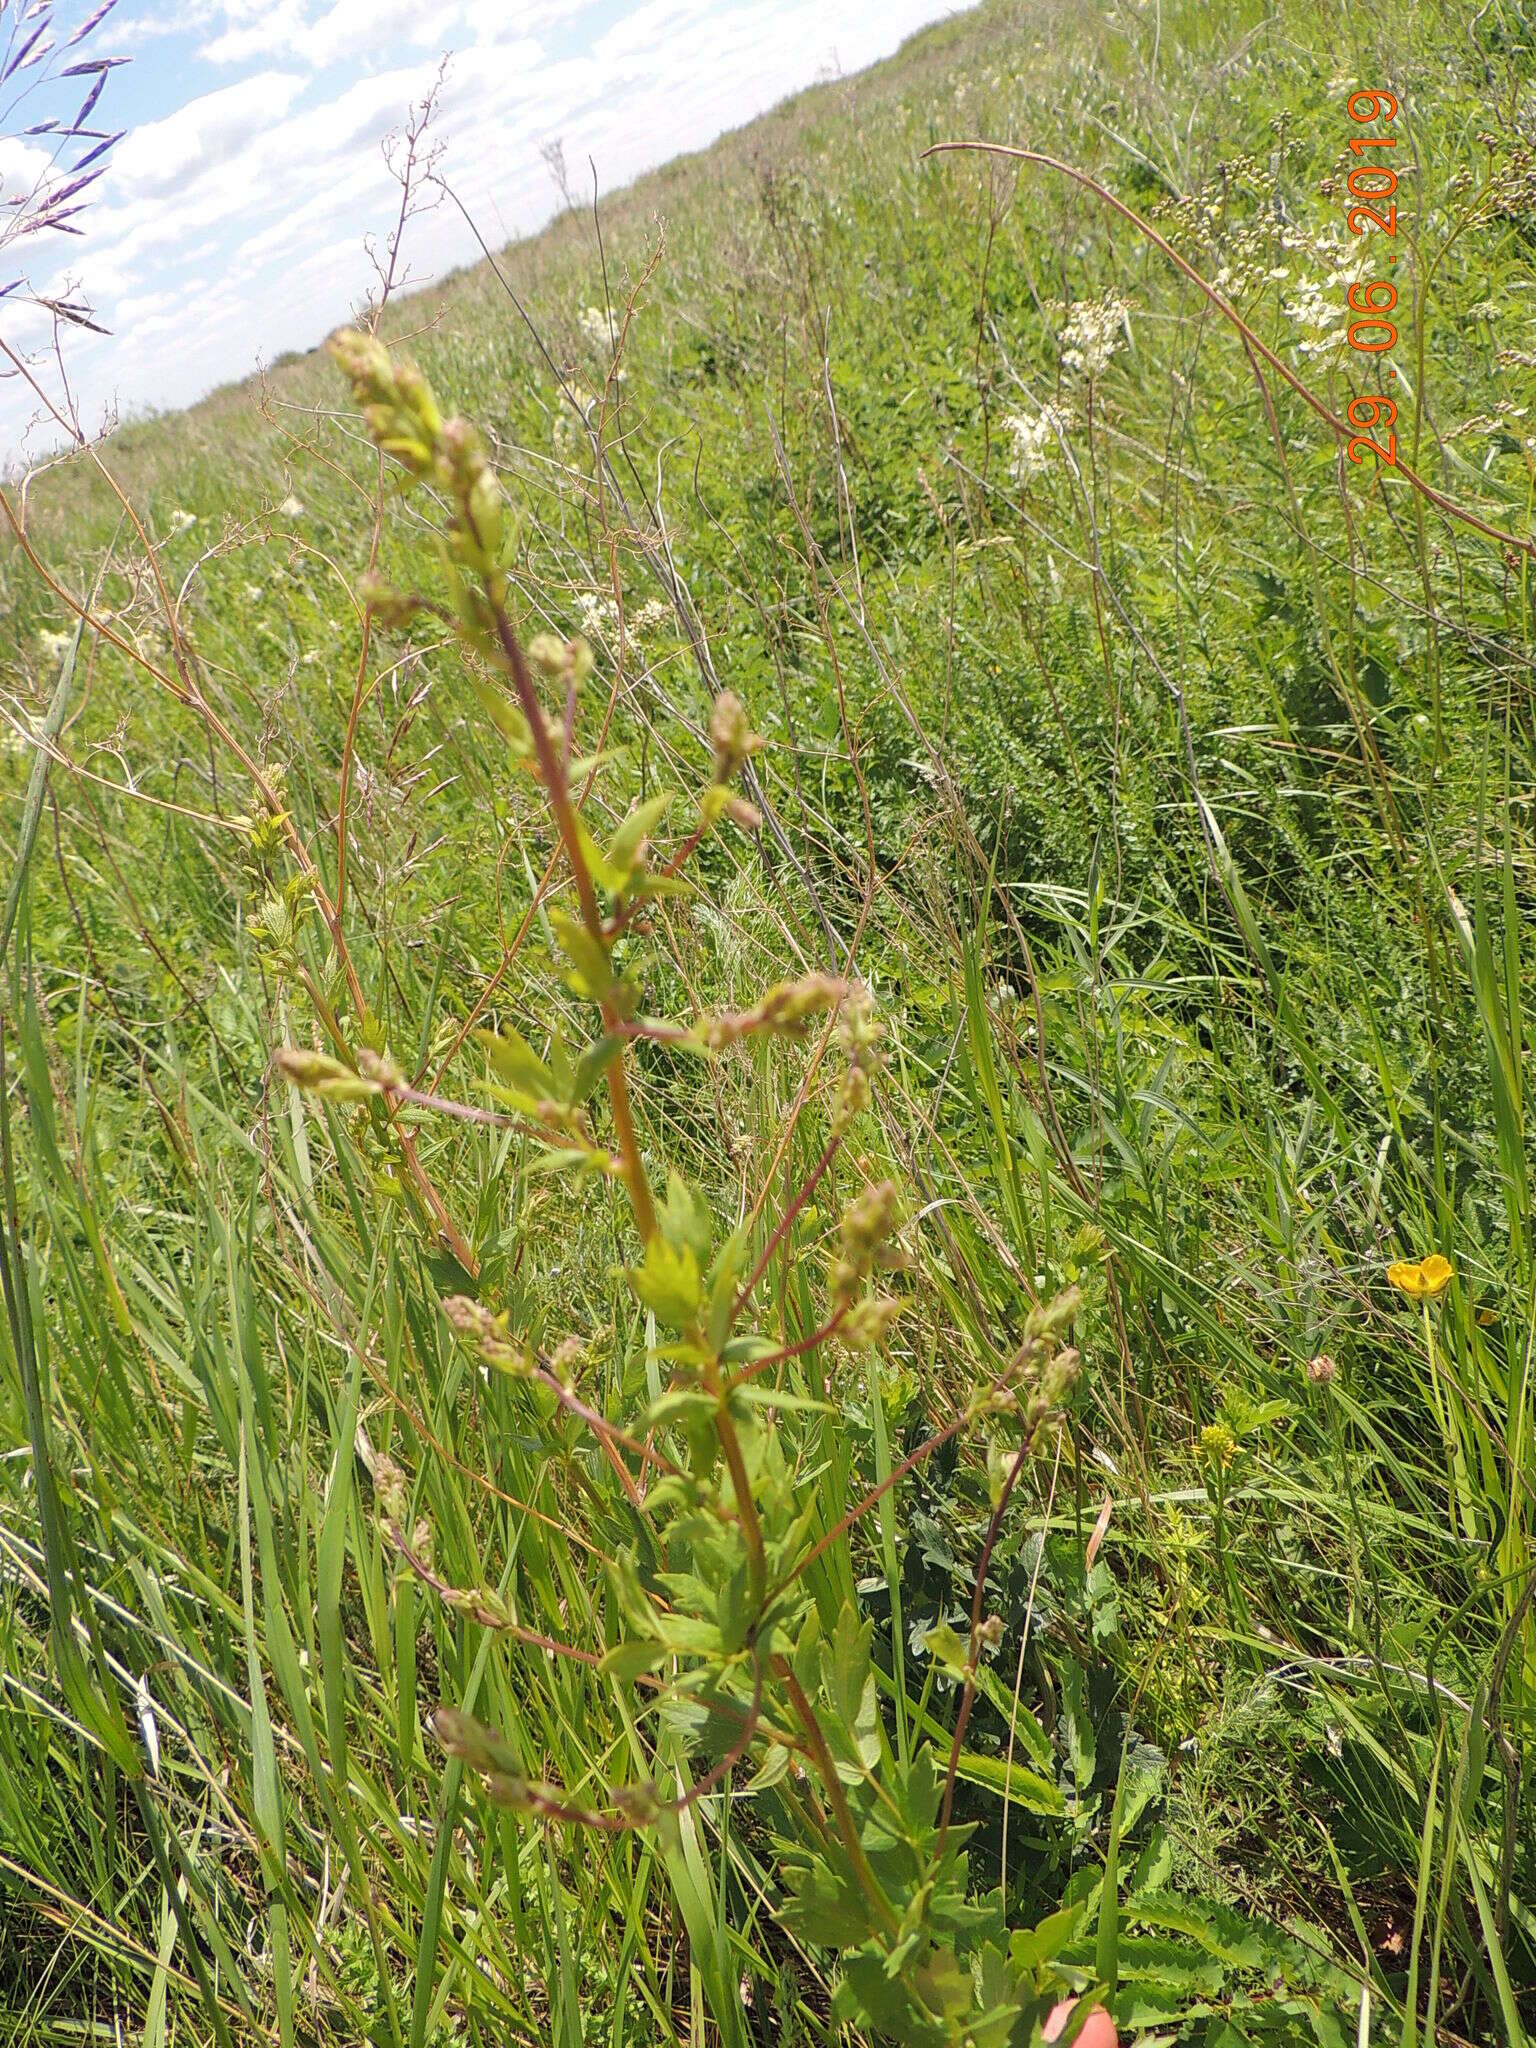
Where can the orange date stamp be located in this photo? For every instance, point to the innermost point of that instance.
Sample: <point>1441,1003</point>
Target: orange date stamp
<point>1372,186</point>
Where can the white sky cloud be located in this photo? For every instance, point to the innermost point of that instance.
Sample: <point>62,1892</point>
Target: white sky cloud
<point>164,156</point>
<point>231,223</point>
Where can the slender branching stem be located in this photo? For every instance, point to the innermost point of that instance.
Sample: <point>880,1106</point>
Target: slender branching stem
<point>552,770</point>
<point>837,1798</point>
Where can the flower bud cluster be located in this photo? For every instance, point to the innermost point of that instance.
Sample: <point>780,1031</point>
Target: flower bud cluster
<point>379,1067</point>
<point>404,421</point>
<point>566,663</point>
<point>1218,1446</point>
<point>867,1223</point>
<point>318,1074</point>
<point>731,735</point>
<point>389,1488</point>
<point>859,1033</point>
<point>786,1011</point>
<point>475,1323</point>
<point>1049,1391</point>
<point>1043,1373</point>
<point>868,1322</point>
<point>397,402</point>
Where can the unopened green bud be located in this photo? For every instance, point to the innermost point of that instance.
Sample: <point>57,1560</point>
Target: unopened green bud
<point>389,1487</point>
<point>1047,1319</point>
<point>859,1030</point>
<point>486,508</point>
<point>731,735</point>
<point>365,360</point>
<point>546,655</point>
<point>641,1802</point>
<point>870,1219</point>
<point>843,1281</point>
<point>398,407</point>
<point>409,450</point>
<point>470,1318</point>
<point>786,1010</point>
<point>375,1066</point>
<point>415,397</point>
<point>318,1074</point>
<point>474,1322</point>
<point>868,1321</point>
<point>561,662</point>
<point>390,607</point>
<point>462,452</point>
<point>714,802</point>
<point>1058,1376</point>
<point>852,1098</point>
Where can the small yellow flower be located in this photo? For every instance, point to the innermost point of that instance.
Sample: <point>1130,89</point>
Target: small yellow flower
<point>1218,1446</point>
<point>1422,1279</point>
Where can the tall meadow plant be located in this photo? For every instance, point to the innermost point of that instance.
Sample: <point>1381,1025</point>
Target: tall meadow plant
<point>735,1677</point>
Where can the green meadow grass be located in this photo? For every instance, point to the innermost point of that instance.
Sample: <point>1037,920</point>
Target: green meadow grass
<point>1173,791</point>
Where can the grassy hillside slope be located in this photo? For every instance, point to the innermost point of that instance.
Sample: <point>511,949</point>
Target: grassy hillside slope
<point>1166,775</point>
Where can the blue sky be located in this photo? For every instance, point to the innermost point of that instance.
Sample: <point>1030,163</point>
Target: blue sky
<point>231,223</point>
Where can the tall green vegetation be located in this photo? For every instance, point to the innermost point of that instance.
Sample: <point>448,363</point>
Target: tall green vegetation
<point>768,1245</point>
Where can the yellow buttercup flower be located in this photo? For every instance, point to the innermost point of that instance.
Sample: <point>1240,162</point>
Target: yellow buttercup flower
<point>1422,1279</point>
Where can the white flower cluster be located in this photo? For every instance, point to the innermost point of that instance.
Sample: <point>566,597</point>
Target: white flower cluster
<point>1035,436</point>
<point>1237,279</point>
<point>1318,304</point>
<point>565,439</point>
<point>593,322</point>
<point>1096,330</point>
<point>600,616</point>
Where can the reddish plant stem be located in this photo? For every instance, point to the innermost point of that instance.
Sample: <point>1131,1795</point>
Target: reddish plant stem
<point>968,1691</point>
<point>856,1513</point>
<point>847,1827</point>
<point>786,1221</point>
<point>788,1351</point>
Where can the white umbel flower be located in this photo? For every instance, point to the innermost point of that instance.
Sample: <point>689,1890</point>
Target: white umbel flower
<point>1035,436</point>
<point>593,322</point>
<point>1096,330</point>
